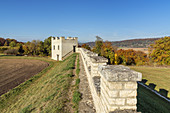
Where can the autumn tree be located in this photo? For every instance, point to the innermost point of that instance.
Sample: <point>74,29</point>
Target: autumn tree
<point>131,57</point>
<point>107,51</point>
<point>160,51</point>
<point>47,46</point>
<point>21,50</point>
<point>12,44</point>
<point>2,41</point>
<point>6,43</point>
<point>98,45</point>
<point>86,46</point>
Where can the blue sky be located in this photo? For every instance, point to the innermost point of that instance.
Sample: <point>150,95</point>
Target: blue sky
<point>112,20</point>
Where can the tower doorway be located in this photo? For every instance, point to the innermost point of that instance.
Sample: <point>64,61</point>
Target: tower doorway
<point>57,57</point>
<point>74,48</point>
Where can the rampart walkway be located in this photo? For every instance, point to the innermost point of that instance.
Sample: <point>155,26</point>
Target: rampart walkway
<point>86,104</point>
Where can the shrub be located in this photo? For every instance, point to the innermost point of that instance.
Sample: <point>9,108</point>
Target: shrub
<point>11,51</point>
<point>3,49</point>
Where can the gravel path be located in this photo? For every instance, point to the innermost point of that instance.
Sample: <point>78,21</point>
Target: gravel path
<point>86,104</point>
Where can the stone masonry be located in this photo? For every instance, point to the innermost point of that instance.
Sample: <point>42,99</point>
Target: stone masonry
<point>113,87</point>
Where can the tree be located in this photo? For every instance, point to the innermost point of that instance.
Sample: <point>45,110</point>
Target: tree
<point>108,51</point>
<point>12,44</point>
<point>6,43</point>
<point>98,45</point>
<point>21,50</point>
<point>2,41</point>
<point>47,46</point>
<point>40,49</point>
<point>131,57</point>
<point>86,46</point>
<point>160,51</point>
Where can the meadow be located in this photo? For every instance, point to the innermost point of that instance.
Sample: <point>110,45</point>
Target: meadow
<point>156,77</point>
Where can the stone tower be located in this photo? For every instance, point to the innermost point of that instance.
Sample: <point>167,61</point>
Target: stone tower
<point>61,47</point>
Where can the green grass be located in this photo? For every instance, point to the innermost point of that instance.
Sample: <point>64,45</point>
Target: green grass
<point>76,94</point>
<point>46,92</point>
<point>148,102</point>
<point>158,75</point>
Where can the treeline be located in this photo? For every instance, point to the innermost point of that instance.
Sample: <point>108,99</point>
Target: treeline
<point>159,53</point>
<point>9,42</point>
<point>33,48</point>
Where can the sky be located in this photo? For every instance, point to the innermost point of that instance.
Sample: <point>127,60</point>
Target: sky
<point>112,20</point>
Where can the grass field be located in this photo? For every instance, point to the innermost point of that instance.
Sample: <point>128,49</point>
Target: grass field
<point>46,92</point>
<point>159,76</point>
<point>148,102</point>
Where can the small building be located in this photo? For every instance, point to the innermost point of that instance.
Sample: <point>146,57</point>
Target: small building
<point>61,47</point>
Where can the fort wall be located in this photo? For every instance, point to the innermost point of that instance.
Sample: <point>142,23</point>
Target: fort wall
<point>113,87</point>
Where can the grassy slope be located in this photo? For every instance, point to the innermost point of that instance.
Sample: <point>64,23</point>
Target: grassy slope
<point>148,102</point>
<point>46,94</point>
<point>159,76</point>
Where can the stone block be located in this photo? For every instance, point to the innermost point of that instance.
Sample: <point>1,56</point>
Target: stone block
<point>95,64</point>
<point>128,107</point>
<point>131,101</point>
<point>120,101</point>
<point>115,101</point>
<point>111,93</point>
<point>114,85</point>
<point>130,85</point>
<point>98,59</point>
<point>128,93</point>
<point>112,108</point>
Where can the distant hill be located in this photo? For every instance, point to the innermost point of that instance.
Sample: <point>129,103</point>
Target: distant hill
<point>133,43</point>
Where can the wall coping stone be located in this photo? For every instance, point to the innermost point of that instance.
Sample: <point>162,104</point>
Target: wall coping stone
<point>98,59</point>
<point>119,73</point>
<point>91,54</point>
<point>125,111</point>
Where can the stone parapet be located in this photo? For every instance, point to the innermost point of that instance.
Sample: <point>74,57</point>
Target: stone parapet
<point>113,87</point>
<point>98,59</point>
<point>119,73</point>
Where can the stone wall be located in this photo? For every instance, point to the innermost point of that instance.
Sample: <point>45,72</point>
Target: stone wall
<point>113,87</point>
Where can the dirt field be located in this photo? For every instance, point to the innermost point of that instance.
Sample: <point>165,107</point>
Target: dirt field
<point>15,71</point>
<point>145,50</point>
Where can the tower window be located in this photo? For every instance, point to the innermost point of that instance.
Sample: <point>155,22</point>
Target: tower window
<point>58,47</point>
<point>54,47</point>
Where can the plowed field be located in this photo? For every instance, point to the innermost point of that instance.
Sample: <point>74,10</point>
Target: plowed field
<point>15,71</point>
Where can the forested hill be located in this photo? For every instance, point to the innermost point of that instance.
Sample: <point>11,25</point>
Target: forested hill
<point>133,43</point>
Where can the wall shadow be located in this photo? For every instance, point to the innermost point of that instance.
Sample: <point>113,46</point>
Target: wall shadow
<point>163,92</point>
<point>144,81</point>
<point>152,86</point>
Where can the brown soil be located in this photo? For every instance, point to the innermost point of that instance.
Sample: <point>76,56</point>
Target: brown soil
<point>15,71</point>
